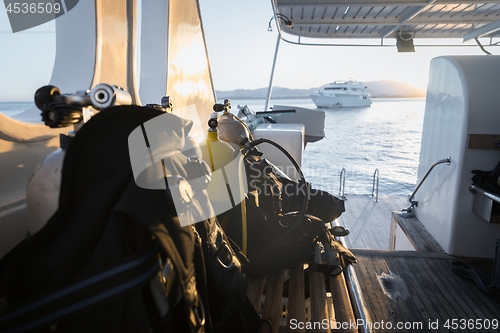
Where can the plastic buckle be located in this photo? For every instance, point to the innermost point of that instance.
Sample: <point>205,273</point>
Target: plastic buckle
<point>227,255</point>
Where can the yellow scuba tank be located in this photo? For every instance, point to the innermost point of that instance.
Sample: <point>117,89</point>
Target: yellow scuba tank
<point>228,186</point>
<point>216,152</point>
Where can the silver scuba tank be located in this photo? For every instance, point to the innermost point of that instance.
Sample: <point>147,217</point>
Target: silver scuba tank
<point>62,110</point>
<point>231,129</point>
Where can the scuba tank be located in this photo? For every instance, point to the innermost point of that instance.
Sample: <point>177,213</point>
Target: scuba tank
<point>228,186</point>
<point>216,152</point>
<point>42,192</point>
<point>63,110</point>
<point>231,128</point>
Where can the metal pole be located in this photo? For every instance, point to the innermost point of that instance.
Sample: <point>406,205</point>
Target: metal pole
<point>342,183</point>
<point>376,176</point>
<point>446,160</point>
<point>269,90</point>
<point>356,294</point>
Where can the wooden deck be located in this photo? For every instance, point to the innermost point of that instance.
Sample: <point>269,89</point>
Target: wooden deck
<point>289,299</point>
<point>369,221</point>
<point>416,289</point>
<point>419,291</point>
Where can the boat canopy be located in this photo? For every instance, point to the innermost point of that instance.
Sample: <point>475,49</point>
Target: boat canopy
<point>399,23</point>
<point>381,20</point>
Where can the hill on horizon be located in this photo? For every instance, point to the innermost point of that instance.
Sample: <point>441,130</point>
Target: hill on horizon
<point>377,89</point>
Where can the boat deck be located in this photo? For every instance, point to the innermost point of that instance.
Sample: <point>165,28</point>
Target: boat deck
<point>369,221</point>
<point>416,289</point>
<point>419,292</point>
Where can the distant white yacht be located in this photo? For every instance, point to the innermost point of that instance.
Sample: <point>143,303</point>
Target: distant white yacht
<point>341,94</point>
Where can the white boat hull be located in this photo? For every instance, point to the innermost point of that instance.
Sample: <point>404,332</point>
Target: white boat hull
<point>462,103</point>
<point>22,146</point>
<point>336,101</point>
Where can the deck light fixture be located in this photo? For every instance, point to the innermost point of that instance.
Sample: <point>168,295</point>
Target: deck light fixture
<point>404,42</point>
<point>284,18</point>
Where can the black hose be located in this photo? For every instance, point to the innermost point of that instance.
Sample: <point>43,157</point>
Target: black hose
<point>302,182</point>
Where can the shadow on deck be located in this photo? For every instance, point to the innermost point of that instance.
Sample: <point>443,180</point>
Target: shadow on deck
<point>415,290</point>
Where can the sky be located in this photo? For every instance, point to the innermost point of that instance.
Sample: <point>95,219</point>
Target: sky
<point>241,52</point>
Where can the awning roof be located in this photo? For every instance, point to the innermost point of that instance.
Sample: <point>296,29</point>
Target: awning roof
<point>381,19</point>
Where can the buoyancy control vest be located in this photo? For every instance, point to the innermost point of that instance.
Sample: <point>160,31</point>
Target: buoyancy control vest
<point>285,218</point>
<point>114,257</point>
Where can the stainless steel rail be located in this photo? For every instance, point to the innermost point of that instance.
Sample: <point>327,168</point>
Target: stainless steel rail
<point>342,183</point>
<point>375,189</point>
<point>475,189</point>
<point>355,293</point>
<point>414,203</point>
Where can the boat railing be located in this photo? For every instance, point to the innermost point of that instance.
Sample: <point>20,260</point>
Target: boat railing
<point>354,288</point>
<point>375,186</point>
<point>342,183</point>
<point>414,203</point>
<point>376,176</point>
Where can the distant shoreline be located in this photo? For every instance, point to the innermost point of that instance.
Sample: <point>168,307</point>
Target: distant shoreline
<point>305,97</point>
<point>376,89</point>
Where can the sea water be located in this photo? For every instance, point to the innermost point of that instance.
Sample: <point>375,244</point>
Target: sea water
<point>385,137</point>
<point>13,108</point>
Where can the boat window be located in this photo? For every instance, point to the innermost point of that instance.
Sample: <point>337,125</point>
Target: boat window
<point>138,43</point>
<point>26,63</point>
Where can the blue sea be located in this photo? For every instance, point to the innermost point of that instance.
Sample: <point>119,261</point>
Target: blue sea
<point>385,136</point>
<point>13,108</point>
